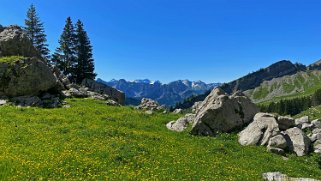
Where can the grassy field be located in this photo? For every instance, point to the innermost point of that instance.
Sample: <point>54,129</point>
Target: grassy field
<point>93,141</point>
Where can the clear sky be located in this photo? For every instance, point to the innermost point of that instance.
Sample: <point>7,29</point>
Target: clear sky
<point>209,40</point>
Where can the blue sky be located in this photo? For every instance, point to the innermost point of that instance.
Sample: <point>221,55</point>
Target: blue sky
<point>209,40</point>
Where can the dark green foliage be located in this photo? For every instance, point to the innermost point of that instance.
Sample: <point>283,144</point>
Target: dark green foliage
<point>74,55</point>
<point>85,62</point>
<point>65,56</point>
<point>293,106</point>
<point>35,30</point>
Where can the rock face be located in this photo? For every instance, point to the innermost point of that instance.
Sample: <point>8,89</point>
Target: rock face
<point>28,76</point>
<point>149,104</point>
<point>114,94</point>
<point>260,130</point>
<point>222,113</point>
<point>14,41</point>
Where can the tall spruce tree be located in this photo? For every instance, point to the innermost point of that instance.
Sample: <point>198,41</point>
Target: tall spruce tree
<point>85,62</point>
<point>35,30</point>
<point>65,55</point>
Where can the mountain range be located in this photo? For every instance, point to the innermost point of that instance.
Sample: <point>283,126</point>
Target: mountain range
<point>167,94</point>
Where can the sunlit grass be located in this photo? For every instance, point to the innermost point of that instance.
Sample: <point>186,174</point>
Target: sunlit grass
<point>10,58</point>
<point>93,141</point>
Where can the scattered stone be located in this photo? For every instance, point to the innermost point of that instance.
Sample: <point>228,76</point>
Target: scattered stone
<point>149,112</point>
<point>278,141</point>
<point>222,113</point>
<point>298,141</point>
<point>300,121</point>
<point>315,137</point>
<point>177,111</point>
<point>278,176</point>
<point>305,126</point>
<point>263,127</point>
<point>285,122</point>
<point>3,102</point>
<point>112,103</point>
<point>316,123</point>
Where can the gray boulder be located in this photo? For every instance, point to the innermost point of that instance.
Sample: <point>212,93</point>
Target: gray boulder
<point>177,111</point>
<point>278,141</point>
<point>222,113</point>
<point>14,41</point>
<point>259,132</point>
<point>285,122</point>
<point>28,76</point>
<point>181,124</point>
<point>298,142</point>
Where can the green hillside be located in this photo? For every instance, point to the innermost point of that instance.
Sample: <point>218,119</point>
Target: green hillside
<point>299,84</point>
<point>93,141</point>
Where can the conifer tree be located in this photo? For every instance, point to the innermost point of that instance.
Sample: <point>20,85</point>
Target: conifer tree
<point>65,55</point>
<point>85,62</point>
<point>35,30</point>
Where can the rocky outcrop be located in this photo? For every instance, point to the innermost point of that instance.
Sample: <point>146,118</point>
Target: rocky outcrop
<point>100,88</point>
<point>222,113</point>
<point>149,104</point>
<point>28,76</point>
<point>278,176</point>
<point>14,41</point>
<point>266,130</point>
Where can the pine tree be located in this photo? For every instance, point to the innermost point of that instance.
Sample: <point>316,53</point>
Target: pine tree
<point>35,30</point>
<point>65,55</point>
<point>85,62</point>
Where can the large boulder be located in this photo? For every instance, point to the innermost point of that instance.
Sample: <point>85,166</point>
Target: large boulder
<point>28,76</point>
<point>14,41</point>
<point>222,113</point>
<point>100,88</point>
<point>298,141</point>
<point>259,132</point>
